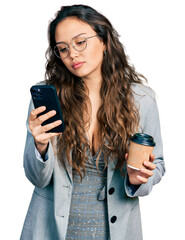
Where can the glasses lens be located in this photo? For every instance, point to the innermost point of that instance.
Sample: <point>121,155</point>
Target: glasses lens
<point>79,43</point>
<point>61,50</point>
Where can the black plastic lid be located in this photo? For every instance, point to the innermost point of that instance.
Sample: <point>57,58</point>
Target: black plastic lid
<point>143,139</point>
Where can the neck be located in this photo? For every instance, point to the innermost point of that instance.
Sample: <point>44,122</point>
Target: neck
<point>93,84</point>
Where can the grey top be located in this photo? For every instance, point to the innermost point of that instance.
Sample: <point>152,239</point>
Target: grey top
<point>88,217</point>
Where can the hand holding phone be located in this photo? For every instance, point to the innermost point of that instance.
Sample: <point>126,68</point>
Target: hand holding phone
<point>46,120</point>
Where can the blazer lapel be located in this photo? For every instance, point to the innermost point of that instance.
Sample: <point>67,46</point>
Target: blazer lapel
<point>68,167</point>
<point>64,160</point>
<point>110,171</point>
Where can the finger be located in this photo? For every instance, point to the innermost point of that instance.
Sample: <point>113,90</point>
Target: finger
<point>43,139</point>
<point>46,116</point>
<point>50,126</point>
<point>126,156</point>
<point>35,112</point>
<point>149,165</point>
<point>142,179</point>
<point>147,172</point>
<point>52,134</point>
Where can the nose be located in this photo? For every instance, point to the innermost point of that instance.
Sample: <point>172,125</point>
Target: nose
<point>72,52</point>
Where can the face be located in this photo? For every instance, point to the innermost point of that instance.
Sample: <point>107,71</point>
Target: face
<point>87,63</point>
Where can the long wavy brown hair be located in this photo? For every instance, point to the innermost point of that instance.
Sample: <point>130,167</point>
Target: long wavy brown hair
<point>118,116</point>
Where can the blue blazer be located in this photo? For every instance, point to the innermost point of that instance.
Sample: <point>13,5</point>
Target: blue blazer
<point>47,216</point>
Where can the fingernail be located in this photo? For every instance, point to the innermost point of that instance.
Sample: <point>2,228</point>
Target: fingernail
<point>53,112</point>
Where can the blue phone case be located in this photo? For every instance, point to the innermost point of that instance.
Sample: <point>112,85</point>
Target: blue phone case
<point>45,95</point>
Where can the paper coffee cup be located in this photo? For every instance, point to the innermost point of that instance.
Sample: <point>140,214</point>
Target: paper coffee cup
<point>141,146</point>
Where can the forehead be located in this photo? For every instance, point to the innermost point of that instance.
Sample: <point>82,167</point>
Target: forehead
<point>70,27</point>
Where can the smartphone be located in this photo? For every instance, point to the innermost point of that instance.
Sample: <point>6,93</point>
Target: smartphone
<point>45,95</point>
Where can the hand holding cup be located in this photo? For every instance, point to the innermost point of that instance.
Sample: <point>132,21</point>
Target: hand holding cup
<point>137,177</point>
<point>140,159</point>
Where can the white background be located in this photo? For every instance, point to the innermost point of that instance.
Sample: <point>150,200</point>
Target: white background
<point>153,34</point>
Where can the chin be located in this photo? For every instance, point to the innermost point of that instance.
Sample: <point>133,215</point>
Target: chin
<point>80,74</point>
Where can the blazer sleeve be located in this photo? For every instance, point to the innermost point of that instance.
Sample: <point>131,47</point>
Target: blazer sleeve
<point>37,171</point>
<point>150,124</point>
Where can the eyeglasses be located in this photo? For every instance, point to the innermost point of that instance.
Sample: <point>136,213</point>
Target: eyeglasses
<point>79,43</point>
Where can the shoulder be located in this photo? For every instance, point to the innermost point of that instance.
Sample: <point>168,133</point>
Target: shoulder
<point>144,100</point>
<point>142,91</point>
<point>41,83</point>
<point>143,95</point>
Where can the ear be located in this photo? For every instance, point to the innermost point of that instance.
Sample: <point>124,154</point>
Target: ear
<point>104,46</point>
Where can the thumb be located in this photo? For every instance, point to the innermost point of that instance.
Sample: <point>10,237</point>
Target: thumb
<point>152,157</point>
<point>126,157</point>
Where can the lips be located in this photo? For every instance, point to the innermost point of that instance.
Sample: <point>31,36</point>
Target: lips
<point>77,65</point>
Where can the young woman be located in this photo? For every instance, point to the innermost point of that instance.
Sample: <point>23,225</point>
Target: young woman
<point>83,186</point>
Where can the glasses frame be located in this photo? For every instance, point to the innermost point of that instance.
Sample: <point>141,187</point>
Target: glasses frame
<point>67,45</point>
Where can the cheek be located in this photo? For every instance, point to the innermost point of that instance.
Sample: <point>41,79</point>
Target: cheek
<point>96,51</point>
<point>67,64</point>
<point>95,56</point>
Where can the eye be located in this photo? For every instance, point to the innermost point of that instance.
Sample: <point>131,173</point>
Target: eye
<point>62,49</point>
<point>80,42</point>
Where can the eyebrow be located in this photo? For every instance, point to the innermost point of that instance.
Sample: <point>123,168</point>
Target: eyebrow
<point>72,38</point>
